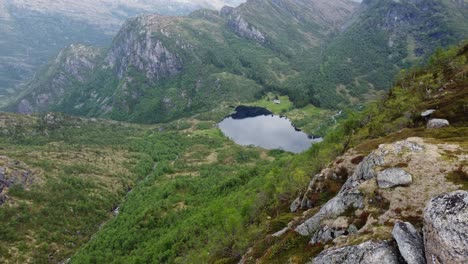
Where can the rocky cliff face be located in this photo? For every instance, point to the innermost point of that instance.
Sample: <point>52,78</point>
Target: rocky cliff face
<point>34,31</point>
<point>264,27</point>
<point>136,47</point>
<point>245,30</point>
<point>73,65</point>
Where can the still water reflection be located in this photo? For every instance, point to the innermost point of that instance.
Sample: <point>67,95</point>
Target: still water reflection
<point>258,127</point>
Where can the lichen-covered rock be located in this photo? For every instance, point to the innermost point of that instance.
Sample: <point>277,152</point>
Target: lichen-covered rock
<point>437,123</point>
<point>348,196</point>
<point>393,177</point>
<point>446,228</point>
<point>410,243</point>
<point>370,252</point>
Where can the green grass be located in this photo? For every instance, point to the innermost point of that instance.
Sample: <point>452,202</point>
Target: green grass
<point>267,102</point>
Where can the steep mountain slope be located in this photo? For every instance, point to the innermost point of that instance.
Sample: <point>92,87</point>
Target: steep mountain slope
<point>159,67</point>
<point>384,37</point>
<point>33,31</point>
<point>70,67</point>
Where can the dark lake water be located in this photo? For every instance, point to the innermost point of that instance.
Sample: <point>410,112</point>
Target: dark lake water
<point>259,127</point>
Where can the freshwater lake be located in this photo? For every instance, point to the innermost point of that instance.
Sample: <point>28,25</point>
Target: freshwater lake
<point>259,127</point>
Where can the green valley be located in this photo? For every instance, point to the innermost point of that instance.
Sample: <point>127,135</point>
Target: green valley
<point>118,154</point>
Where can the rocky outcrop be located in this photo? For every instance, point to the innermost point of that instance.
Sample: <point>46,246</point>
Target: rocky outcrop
<point>393,177</point>
<point>349,195</point>
<point>446,228</point>
<point>365,199</point>
<point>437,123</point>
<point>71,66</point>
<point>243,29</point>
<point>136,47</point>
<point>13,173</point>
<point>370,252</point>
<point>329,232</point>
<point>410,243</point>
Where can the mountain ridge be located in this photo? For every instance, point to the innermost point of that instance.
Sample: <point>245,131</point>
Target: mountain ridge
<point>330,54</point>
<point>209,44</point>
<point>33,32</point>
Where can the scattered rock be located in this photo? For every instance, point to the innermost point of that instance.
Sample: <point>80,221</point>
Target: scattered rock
<point>352,229</point>
<point>437,123</point>
<point>326,234</point>
<point>428,112</point>
<point>446,228</point>
<point>410,243</point>
<point>370,252</point>
<point>393,177</point>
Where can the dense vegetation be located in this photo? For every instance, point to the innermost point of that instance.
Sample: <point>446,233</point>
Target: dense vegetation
<point>384,38</point>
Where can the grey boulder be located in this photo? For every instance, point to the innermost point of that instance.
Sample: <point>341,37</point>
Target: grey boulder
<point>410,243</point>
<point>393,177</point>
<point>371,252</point>
<point>446,228</point>
<point>427,112</point>
<point>437,123</point>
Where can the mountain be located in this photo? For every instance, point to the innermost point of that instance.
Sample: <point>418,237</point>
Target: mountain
<point>34,31</point>
<point>160,67</point>
<point>83,190</point>
<point>327,53</point>
<point>384,37</point>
